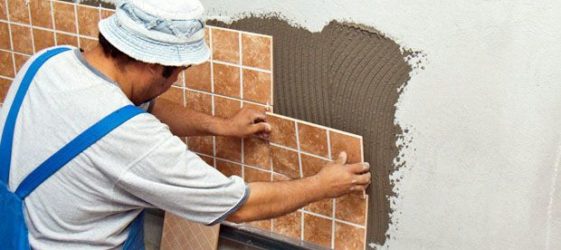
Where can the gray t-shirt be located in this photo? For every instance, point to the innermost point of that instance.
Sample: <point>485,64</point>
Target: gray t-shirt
<point>90,202</point>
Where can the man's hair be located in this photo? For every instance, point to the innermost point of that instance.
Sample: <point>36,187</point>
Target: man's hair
<point>122,58</point>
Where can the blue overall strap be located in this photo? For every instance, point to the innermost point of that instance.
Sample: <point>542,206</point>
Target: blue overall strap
<point>75,147</point>
<point>8,132</point>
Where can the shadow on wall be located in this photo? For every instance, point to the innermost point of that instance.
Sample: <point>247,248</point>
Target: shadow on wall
<point>345,77</point>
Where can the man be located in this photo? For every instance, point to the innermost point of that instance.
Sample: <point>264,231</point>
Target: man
<point>96,198</point>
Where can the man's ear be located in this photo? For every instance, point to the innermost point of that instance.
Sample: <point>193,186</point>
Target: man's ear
<point>153,68</point>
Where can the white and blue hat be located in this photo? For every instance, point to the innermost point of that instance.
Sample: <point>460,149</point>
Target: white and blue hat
<point>165,32</point>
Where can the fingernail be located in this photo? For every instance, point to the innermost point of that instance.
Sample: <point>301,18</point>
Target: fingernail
<point>269,128</point>
<point>366,165</point>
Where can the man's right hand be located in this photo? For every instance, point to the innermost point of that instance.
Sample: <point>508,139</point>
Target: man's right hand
<point>338,178</point>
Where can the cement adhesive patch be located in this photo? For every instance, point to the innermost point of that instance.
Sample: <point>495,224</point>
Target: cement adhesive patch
<point>346,77</point>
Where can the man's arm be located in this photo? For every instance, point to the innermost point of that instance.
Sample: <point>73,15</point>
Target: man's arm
<point>273,199</point>
<point>186,122</point>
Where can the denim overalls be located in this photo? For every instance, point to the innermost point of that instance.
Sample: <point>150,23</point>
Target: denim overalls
<point>13,230</point>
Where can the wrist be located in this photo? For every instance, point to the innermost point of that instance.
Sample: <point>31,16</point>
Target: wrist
<point>317,188</point>
<point>219,127</point>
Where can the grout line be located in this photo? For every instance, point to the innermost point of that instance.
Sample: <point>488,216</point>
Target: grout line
<point>272,75</point>
<point>50,30</point>
<point>240,31</point>
<point>301,225</point>
<point>243,66</point>
<point>333,224</point>
<point>328,218</point>
<point>76,25</point>
<point>6,77</point>
<point>314,125</point>
<point>301,152</point>
<point>299,149</point>
<point>240,64</point>
<point>329,145</point>
<point>11,37</point>
<point>53,22</point>
<point>223,96</point>
<point>31,29</point>
<point>212,99</point>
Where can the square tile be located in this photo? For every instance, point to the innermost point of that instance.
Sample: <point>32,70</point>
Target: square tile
<point>226,107</point>
<point>229,168</point>
<point>323,207</point>
<point>256,175</point>
<point>313,139</point>
<point>209,160</point>
<point>43,39</point>
<point>18,11</point>
<point>181,234</point>
<point>257,86</point>
<point>88,18</point>
<point>199,102</point>
<point>174,95</point>
<point>225,45</point>
<point>64,39</point>
<point>257,153</point>
<point>20,60</point>
<point>351,208</point>
<point>317,230</point>
<point>21,39</point>
<point>229,148</point>
<point>5,37</point>
<point>256,51</point>
<point>105,13</point>
<point>6,64</point>
<point>201,144</point>
<point>226,80</point>
<point>285,162</point>
<point>4,87</point>
<point>87,44</point>
<point>352,145</point>
<point>198,77</point>
<point>289,225</point>
<point>283,130</point>
<point>65,18</point>
<point>41,13</point>
<point>3,12</point>
<point>312,165</point>
<point>349,237</point>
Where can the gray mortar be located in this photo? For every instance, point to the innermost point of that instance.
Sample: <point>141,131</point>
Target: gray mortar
<point>346,77</point>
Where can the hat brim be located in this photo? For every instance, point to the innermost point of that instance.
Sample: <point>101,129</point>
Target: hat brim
<point>151,51</point>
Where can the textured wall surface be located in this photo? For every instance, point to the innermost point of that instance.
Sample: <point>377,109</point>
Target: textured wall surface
<point>480,166</point>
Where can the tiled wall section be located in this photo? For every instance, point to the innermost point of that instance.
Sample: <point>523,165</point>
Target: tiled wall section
<point>239,74</point>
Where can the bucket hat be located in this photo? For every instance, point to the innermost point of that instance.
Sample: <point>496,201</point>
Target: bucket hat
<point>166,32</point>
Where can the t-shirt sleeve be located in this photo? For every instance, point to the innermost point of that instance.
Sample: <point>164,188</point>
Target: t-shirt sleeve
<point>174,179</point>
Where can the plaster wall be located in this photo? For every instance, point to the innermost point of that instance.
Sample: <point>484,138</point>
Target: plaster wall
<point>484,116</point>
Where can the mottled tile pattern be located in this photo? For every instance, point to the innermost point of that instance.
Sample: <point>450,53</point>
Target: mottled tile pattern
<point>238,74</point>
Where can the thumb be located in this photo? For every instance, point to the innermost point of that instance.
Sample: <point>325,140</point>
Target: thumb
<point>342,158</point>
<point>261,127</point>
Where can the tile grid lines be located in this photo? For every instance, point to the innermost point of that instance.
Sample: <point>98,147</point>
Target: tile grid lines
<point>76,25</point>
<point>301,210</point>
<point>53,22</point>
<point>222,96</point>
<point>301,174</point>
<point>241,102</point>
<point>11,39</point>
<point>333,202</point>
<point>7,78</point>
<point>272,76</point>
<point>240,31</point>
<point>243,66</point>
<point>31,30</point>
<point>47,29</point>
<point>212,108</point>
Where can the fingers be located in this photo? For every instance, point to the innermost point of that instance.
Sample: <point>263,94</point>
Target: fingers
<point>260,128</point>
<point>342,158</point>
<point>359,168</point>
<point>363,179</point>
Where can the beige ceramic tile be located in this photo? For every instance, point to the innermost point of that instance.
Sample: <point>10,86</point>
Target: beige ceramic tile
<point>256,51</point>
<point>20,60</point>
<point>41,13</point>
<point>198,77</point>
<point>351,208</point>
<point>201,144</point>
<point>229,168</point>
<point>283,131</point>
<point>43,39</point>
<point>174,95</point>
<point>225,107</point>
<point>4,86</point>
<point>285,162</point>
<point>225,45</point>
<point>289,225</point>
<point>313,139</point>
<point>6,64</point>
<point>200,102</point>
<point>65,39</point>
<point>181,234</point>
<point>5,37</point>
<point>349,237</point>
<point>21,39</point>
<point>3,11</point>
<point>226,80</point>
<point>317,230</point>
<point>257,153</point>
<point>350,144</point>
<point>257,86</point>
<point>18,11</point>
<point>65,18</point>
<point>88,18</point>
<point>229,148</point>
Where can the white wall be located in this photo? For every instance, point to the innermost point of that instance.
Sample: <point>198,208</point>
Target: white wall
<point>484,115</point>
